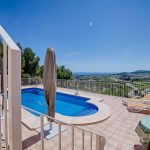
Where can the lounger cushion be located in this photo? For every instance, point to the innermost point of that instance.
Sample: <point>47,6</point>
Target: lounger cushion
<point>137,105</point>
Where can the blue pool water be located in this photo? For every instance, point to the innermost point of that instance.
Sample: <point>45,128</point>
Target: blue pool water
<point>66,104</point>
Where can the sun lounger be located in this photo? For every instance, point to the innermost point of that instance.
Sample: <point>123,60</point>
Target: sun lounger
<point>137,99</point>
<point>139,108</point>
<point>147,96</point>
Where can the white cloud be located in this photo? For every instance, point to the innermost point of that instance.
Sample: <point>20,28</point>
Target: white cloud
<point>73,54</point>
<point>91,24</point>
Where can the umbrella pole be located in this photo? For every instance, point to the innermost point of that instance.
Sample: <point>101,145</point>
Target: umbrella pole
<point>50,125</point>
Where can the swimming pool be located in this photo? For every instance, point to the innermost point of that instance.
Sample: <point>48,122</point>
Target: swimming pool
<point>67,105</point>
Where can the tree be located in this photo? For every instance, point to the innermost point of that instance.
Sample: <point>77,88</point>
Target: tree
<point>63,73</point>
<point>30,63</point>
<point>30,66</point>
<point>22,58</point>
<point>40,71</point>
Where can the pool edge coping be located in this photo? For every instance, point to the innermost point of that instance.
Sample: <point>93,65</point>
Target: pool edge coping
<point>99,116</point>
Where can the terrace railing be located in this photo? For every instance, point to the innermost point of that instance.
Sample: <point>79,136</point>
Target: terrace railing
<point>86,138</point>
<point>126,89</point>
<point>31,81</point>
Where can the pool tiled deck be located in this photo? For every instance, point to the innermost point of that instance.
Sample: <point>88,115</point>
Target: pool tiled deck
<point>118,129</point>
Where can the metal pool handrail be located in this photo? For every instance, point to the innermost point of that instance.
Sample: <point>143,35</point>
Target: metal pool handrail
<point>100,140</point>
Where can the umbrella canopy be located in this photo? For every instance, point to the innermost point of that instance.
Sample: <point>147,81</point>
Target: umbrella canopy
<point>49,80</point>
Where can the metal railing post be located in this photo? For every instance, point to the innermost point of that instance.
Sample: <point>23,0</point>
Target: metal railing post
<point>91,140</point>
<point>100,142</point>
<point>42,132</point>
<point>89,86</point>
<point>82,139</point>
<point>72,142</point>
<point>67,84</point>
<point>97,143</point>
<point>59,137</point>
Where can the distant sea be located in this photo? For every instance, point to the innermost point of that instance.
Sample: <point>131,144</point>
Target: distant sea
<point>92,73</point>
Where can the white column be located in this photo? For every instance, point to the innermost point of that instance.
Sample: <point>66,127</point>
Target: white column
<point>14,98</point>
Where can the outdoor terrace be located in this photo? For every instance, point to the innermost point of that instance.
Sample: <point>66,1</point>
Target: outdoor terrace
<point>118,129</point>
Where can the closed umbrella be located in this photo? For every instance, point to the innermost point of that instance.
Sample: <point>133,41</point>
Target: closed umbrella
<point>49,80</point>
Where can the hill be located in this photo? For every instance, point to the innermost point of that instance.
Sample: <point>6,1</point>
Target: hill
<point>123,76</point>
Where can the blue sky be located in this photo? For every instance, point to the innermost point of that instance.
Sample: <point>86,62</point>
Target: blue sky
<point>87,35</point>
